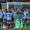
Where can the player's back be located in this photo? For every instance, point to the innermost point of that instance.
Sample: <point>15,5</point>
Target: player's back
<point>9,15</point>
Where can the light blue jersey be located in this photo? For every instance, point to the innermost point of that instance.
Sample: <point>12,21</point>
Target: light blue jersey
<point>1,14</point>
<point>9,15</point>
<point>25,15</point>
<point>5,16</point>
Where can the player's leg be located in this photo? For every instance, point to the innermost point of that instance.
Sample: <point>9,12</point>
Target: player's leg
<point>11,24</point>
<point>12,20</point>
<point>23,22</point>
<point>0,22</point>
<point>8,24</point>
<point>4,27</point>
<point>27,22</point>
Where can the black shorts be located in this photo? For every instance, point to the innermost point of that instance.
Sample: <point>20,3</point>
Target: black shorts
<point>1,20</point>
<point>26,19</point>
<point>5,19</point>
<point>8,24</point>
<point>12,19</point>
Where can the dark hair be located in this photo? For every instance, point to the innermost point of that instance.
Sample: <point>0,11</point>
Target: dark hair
<point>6,10</point>
<point>0,5</point>
<point>10,9</point>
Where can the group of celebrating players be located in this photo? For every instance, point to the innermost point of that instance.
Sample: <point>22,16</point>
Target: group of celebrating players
<point>7,17</point>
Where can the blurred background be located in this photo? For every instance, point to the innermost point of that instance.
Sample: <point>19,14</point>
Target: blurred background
<point>4,1</point>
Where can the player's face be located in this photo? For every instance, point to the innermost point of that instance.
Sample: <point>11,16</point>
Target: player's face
<point>3,9</point>
<point>12,10</point>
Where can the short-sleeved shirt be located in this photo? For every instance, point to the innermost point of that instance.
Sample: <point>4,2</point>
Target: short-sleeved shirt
<point>9,15</point>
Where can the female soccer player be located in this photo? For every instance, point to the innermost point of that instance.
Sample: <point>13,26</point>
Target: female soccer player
<point>4,19</point>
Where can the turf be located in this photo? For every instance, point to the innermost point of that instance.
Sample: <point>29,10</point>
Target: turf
<point>18,29</point>
<point>1,29</point>
<point>15,29</point>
